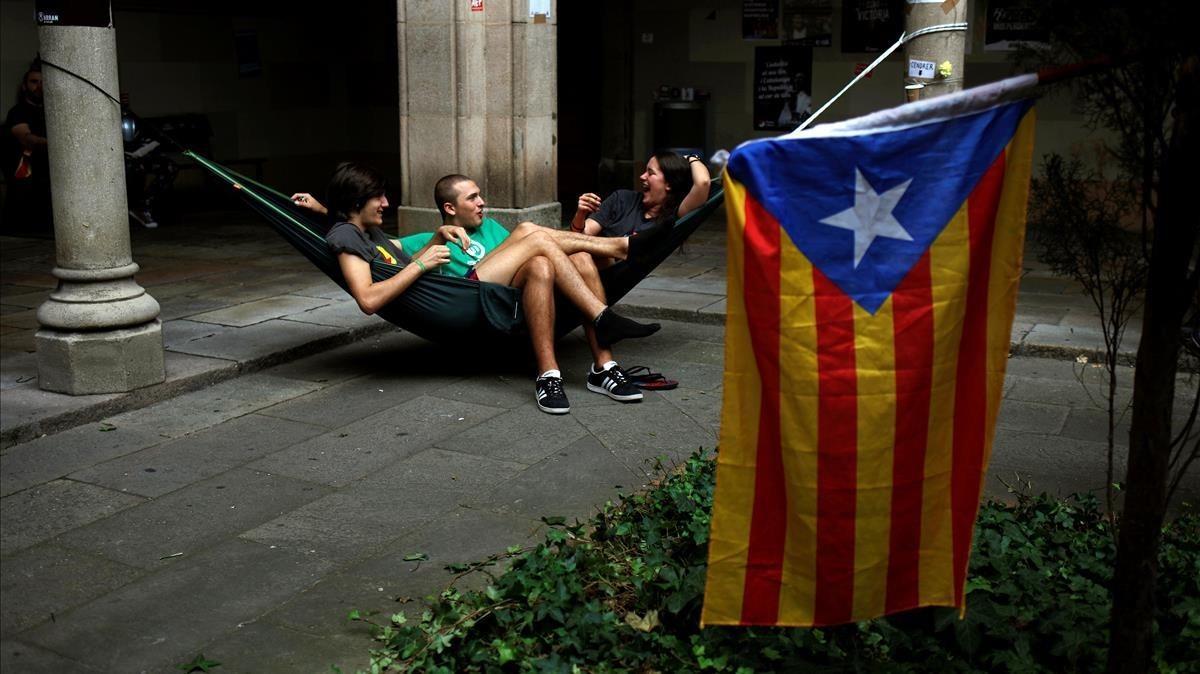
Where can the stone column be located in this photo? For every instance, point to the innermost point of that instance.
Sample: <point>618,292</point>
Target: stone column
<point>945,50</point>
<point>100,330</point>
<point>478,96</point>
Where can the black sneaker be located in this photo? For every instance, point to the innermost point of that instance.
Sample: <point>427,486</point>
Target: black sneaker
<point>613,383</point>
<point>550,395</point>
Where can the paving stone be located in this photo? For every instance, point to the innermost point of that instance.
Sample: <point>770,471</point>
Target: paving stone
<point>368,445</point>
<point>257,341</point>
<point>173,465</point>
<point>525,435</point>
<point>55,456</point>
<point>702,407</point>
<point>1053,463</point>
<point>717,309</point>
<point>26,319</point>
<point>19,370</point>
<point>193,519</point>
<point>26,659</point>
<point>1016,415</point>
<point>1063,391</point>
<point>1093,374</point>
<point>326,289</point>
<point>164,619</point>
<point>321,610</point>
<point>705,353</point>
<point>177,334</point>
<point>641,434</point>
<point>491,390</point>
<point>706,286</point>
<point>29,300</point>
<point>348,402</point>
<point>185,306</point>
<point>343,314</point>
<point>17,340</point>
<point>1092,425</point>
<point>462,537</point>
<point>41,513</point>
<point>258,647</point>
<point>258,311</point>
<point>46,580</point>
<point>208,407</point>
<point>26,403</point>
<point>571,483</point>
<point>338,528</point>
<point>433,482</point>
<point>671,301</point>
<point>346,362</point>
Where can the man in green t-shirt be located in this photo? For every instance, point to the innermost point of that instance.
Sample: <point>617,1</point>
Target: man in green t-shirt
<point>539,260</point>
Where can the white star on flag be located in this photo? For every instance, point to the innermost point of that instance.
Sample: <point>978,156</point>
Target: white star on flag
<point>871,215</point>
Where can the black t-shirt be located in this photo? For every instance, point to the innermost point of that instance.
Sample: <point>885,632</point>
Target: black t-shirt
<point>35,117</point>
<point>344,237</point>
<point>621,213</point>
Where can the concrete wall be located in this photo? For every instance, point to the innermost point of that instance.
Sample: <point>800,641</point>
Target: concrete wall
<point>327,89</point>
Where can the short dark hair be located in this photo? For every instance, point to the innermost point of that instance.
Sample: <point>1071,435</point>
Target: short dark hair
<point>350,186</point>
<point>445,191</point>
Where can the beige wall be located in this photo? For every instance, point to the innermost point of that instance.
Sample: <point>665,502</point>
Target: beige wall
<point>327,90</point>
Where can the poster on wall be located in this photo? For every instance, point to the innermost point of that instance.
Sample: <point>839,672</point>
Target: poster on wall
<point>760,19</point>
<point>782,87</point>
<point>871,25</point>
<point>1010,22</point>
<point>808,23</point>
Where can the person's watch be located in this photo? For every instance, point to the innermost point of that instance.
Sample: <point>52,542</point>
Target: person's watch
<point>692,157</point>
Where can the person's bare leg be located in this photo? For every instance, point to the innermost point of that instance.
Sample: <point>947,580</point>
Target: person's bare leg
<point>574,242</point>
<point>501,265</point>
<point>586,265</point>
<point>536,280</point>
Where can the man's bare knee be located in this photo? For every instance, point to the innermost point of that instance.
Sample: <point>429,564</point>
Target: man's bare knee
<point>540,269</point>
<point>584,262</point>
<point>524,228</point>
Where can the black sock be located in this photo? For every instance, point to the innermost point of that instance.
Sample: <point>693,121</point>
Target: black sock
<point>612,327</point>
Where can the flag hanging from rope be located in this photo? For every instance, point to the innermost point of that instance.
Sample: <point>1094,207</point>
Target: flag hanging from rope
<point>873,270</point>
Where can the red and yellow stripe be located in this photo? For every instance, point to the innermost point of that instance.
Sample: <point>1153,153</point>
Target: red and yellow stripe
<point>854,446</point>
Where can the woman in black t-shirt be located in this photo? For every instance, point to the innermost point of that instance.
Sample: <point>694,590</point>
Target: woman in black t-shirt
<point>671,187</point>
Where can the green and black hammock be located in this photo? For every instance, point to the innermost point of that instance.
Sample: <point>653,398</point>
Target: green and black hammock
<point>446,308</point>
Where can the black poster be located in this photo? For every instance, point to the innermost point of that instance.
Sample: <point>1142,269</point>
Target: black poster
<point>871,25</point>
<point>760,19</point>
<point>73,13</point>
<point>782,87</point>
<point>245,45</point>
<point>1010,21</point>
<point>808,23</point>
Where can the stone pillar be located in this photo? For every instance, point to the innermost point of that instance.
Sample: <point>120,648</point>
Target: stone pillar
<point>478,96</point>
<point>945,49</point>
<point>100,330</point>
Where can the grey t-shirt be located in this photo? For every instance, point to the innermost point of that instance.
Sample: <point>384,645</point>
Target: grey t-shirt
<point>373,245</point>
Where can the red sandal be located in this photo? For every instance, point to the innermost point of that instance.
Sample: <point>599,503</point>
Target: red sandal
<point>641,377</point>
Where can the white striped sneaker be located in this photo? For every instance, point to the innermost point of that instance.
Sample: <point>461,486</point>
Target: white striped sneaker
<point>550,395</point>
<point>613,383</point>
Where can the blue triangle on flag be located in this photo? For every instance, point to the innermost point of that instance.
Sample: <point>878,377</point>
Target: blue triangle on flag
<point>864,206</point>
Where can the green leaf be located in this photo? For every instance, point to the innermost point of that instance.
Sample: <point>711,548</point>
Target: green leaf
<point>416,557</point>
<point>554,520</point>
<point>198,664</point>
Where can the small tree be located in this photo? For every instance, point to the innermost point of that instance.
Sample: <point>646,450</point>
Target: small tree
<point>1149,100</point>
<point>1080,222</point>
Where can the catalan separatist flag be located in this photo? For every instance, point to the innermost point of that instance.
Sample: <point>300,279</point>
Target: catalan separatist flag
<point>873,270</point>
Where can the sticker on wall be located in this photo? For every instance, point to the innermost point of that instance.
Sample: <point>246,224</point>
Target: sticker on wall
<point>1010,22</point>
<point>476,5</point>
<point>539,7</point>
<point>808,23</point>
<point>925,69</point>
<point>73,13</point>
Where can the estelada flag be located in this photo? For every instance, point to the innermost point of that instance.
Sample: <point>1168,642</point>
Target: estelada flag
<point>873,270</point>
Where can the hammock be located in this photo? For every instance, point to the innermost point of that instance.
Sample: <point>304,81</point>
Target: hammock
<point>446,308</point>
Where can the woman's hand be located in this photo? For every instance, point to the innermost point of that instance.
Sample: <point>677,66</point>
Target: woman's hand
<point>433,257</point>
<point>456,234</point>
<point>306,200</point>
<point>588,203</point>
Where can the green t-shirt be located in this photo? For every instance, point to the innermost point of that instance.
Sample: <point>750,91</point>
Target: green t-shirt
<point>484,240</point>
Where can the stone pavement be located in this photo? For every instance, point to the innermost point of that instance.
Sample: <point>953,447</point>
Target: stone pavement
<point>242,509</point>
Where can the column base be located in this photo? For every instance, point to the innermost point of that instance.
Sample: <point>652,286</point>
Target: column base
<point>412,219</point>
<point>107,361</point>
